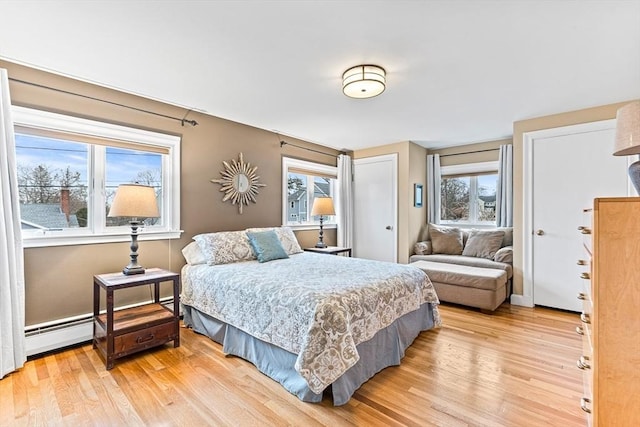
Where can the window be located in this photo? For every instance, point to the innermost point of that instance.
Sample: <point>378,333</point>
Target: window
<point>68,172</point>
<point>302,182</point>
<point>468,193</point>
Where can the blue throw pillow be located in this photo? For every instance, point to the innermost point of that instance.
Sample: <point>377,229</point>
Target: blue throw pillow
<point>266,245</point>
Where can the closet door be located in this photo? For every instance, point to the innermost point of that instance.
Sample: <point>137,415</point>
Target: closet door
<point>569,167</point>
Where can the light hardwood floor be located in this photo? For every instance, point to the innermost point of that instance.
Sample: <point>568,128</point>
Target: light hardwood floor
<point>513,368</point>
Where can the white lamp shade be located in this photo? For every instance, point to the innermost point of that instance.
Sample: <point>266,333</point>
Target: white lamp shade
<point>628,130</point>
<point>364,81</point>
<point>322,206</point>
<point>135,201</point>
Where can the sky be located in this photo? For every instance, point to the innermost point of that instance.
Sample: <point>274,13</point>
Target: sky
<point>487,184</point>
<point>122,165</point>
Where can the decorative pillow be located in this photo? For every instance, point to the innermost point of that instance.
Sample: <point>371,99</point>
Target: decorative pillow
<point>225,247</point>
<point>266,245</point>
<point>504,254</point>
<point>287,238</point>
<point>445,240</point>
<point>483,243</point>
<point>422,248</point>
<point>508,236</point>
<point>193,255</point>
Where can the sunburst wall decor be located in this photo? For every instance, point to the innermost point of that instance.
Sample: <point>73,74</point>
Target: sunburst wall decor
<point>239,182</point>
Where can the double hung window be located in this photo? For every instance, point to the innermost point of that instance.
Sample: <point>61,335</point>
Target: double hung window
<point>302,182</point>
<point>69,169</point>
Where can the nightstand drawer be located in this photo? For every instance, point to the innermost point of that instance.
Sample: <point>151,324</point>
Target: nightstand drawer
<point>143,339</point>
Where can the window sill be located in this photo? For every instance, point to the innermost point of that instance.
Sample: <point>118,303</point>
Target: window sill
<point>301,227</point>
<point>468,225</point>
<point>91,239</point>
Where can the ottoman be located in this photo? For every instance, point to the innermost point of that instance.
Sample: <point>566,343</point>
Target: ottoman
<point>483,288</point>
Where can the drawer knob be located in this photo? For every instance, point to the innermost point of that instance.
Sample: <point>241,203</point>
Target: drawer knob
<point>582,363</point>
<point>579,330</point>
<point>582,296</point>
<point>584,230</point>
<point>584,318</point>
<point>582,262</point>
<point>584,402</point>
<point>585,276</point>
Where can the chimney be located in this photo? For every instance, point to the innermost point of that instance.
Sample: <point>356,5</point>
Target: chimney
<point>64,202</point>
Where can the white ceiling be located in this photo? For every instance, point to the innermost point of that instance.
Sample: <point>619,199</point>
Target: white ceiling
<point>458,71</point>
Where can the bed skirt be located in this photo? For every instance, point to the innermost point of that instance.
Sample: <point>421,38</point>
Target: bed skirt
<point>386,348</point>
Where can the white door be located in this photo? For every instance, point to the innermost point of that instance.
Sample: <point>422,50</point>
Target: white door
<point>375,181</point>
<point>571,167</point>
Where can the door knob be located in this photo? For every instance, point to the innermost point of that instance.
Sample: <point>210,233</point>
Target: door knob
<point>539,232</point>
<point>388,227</point>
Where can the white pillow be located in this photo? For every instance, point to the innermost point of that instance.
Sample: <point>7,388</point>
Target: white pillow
<point>286,236</point>
<point>225,247</point>
<point>193,255</point>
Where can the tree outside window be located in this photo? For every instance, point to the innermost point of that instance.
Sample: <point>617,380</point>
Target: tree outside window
<point>468,199</point>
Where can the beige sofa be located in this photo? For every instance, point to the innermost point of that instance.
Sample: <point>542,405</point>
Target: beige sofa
<point>467,266</point>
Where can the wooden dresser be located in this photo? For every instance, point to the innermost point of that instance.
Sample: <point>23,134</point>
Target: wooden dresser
<point>611,313</point>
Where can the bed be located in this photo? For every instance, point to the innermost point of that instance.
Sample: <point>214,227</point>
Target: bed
<point>315,323</point>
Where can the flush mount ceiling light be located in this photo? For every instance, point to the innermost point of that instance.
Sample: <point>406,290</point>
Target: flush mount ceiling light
<point>364,81</point>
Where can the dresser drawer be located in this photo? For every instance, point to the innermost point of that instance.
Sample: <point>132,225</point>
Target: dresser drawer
<point>144,338</point>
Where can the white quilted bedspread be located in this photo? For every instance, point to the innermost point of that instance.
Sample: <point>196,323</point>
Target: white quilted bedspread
<point>314,305</point>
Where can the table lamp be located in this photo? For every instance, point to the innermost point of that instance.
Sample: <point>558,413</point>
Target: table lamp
<point>628,138</point>
<point>134,201</point>
<point>322,206</point>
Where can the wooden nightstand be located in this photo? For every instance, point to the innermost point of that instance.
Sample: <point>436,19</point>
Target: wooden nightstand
<point>123,332</point>
<point>332,250</point>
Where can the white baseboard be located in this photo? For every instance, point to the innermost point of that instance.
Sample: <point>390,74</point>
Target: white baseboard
<point>65,332</point>
<point>59,338</point>
<point>521,300</point>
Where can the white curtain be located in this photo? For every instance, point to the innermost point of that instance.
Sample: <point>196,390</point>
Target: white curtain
<point>504,193</point>
<point>344,202</point>
<point>12,346</point>
<point>433,188</point>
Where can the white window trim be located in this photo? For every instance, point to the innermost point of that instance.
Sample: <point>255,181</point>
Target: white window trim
<point>320,169</point>
<point>45,120</point>
<point>470,169</point>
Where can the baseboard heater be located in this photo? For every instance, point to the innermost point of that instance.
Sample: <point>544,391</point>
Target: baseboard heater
<point>61,333</point>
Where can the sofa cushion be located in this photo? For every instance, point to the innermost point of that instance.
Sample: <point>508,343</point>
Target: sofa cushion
<point>483,243</point>
<point>445,240</point>
<point>504,255</point>
<point>508,236</point>
<point>465,260</point>
<point>462,275</point>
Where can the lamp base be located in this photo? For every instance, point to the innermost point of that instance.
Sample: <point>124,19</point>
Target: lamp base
<point>133,267</point>
<point>128,271</point>
<point>321,243</point>
<point>634,175</point>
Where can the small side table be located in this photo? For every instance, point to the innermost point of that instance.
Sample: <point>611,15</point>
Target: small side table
<point>331,250</point>
<point>123,332</point>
